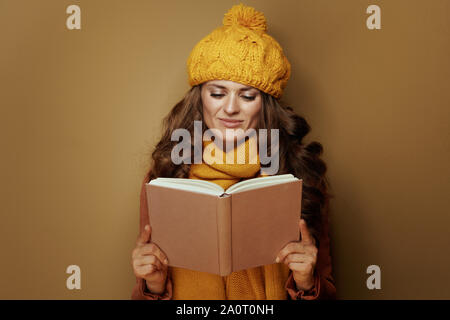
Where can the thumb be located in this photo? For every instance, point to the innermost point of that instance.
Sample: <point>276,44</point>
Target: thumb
<point>306,235</point>
<point>145,236</point>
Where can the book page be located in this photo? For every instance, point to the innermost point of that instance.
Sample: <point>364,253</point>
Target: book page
<point>184,225</point>
<point>260,183</point>
<point>263,221</point>
<point>194,185</point>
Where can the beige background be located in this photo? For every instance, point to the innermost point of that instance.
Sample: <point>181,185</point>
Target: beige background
<point>81,110</point>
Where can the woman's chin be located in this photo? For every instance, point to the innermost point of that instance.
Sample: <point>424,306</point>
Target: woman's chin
<point>230,136</point>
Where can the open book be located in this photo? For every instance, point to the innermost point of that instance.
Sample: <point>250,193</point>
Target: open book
<point>200,226</point>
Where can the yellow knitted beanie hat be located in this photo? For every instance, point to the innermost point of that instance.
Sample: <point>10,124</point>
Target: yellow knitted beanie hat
<point>241,51</point>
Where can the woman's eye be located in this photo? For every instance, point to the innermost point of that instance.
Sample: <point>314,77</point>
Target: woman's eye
<point>221,95</point>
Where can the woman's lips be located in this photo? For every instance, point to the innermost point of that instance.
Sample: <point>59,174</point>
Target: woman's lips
<point>229,123</point>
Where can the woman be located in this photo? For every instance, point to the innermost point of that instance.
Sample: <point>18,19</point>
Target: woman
<point>237,74</point>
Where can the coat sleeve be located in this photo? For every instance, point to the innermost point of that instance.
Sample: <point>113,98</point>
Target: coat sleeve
<point>140,290</point>
<point>324,285</point>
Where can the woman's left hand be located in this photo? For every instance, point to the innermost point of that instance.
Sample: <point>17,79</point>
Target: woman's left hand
<point>301,257</point>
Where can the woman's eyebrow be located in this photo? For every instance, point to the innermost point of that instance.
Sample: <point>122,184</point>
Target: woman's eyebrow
<point>222,87</point>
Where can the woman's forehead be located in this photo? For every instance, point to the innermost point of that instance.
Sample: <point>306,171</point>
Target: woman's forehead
<point>225,84</point>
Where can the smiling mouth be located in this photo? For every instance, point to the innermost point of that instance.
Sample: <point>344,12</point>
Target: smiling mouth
<point>230,123</point>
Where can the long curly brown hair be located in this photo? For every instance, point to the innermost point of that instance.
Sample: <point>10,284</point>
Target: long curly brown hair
<point>303,161</point>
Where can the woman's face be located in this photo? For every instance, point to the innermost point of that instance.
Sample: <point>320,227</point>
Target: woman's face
<point>230,105</point>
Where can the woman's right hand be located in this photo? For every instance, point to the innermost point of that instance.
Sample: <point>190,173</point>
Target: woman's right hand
<point>149,262</point>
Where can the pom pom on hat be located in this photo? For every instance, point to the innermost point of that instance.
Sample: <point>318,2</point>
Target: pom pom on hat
<point>246,17</point>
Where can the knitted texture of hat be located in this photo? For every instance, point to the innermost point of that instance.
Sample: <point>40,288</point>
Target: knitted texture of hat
<point>240,50</point>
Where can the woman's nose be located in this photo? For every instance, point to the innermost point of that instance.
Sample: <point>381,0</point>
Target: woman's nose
<point>231,105</point>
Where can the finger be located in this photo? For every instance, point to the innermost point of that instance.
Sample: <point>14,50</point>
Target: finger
<point>145,260</point>
<point>145,236</point>
<point>146,270</point>
<point>306,236</point>
<point>300,267</point>
<point>296,248</point>
<point>291,247</point>
<point>153,249</point>
<point>297,257</point>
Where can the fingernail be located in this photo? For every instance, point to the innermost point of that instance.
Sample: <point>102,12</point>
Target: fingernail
<point>277,260</point>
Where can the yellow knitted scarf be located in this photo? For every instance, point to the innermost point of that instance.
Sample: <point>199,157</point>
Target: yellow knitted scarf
<point>259,283</point>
